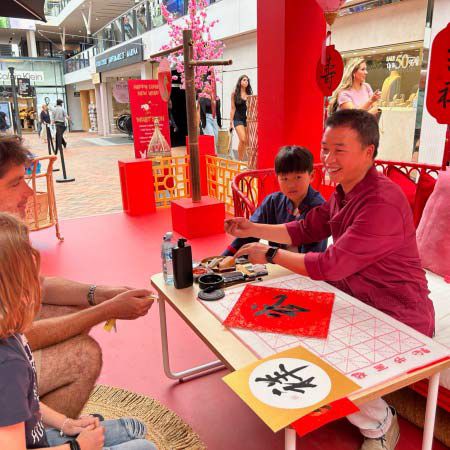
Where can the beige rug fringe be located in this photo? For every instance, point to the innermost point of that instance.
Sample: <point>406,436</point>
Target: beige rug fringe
<point>165,428</point>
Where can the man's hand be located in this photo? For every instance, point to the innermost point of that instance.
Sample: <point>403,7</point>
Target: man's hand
<point>74,427</point>
<point>103,293</point>
<point>256,252</point>
<point>92,438</point>
<point>239,227</point>
<point>129,305</point>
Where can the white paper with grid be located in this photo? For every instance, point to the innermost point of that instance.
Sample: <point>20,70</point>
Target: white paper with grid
<point>363,343</point>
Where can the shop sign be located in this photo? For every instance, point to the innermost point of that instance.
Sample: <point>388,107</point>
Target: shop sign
<point>164,79</point>
<point>146,104</point>
<point>438,92</point>
<point>120,91</point>
<point>402,61</point>
<point>24,87</point>
<point>329,75</point>
<point>125,55</point>
<point>31,75</point>
<point>96,78</point>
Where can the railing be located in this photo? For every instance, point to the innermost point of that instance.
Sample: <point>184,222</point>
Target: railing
<point>139,19</point>
<point>80,60</point>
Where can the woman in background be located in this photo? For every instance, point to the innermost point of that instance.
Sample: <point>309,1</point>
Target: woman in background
<point>210,122</point>
<point>354,92</point>
<point>238,115</point>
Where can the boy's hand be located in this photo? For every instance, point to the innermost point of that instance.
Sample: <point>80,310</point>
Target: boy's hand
<point>91,438</point>
<point>256,252</point>
<point>76,426</point>
<point>239,227</point>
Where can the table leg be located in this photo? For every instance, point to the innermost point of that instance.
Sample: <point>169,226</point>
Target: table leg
<point>430,413</point>
<point>204,369</point>
<point>290,437</point>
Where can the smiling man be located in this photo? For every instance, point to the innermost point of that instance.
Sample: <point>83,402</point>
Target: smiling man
<point>374,255</point>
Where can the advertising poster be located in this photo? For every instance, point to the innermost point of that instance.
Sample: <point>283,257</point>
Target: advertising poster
<point>146,104</point>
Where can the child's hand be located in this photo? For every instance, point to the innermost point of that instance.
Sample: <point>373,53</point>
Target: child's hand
<point>238,227</point>
<point>74,427</point>
<point>91,438</point>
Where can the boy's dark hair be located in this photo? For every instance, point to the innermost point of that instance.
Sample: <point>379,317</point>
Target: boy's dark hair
<point>59,102</point>
<point>364,123</point>
<point>12,153</point>
<point>292,158</point>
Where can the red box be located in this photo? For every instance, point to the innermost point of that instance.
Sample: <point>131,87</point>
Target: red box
<point>136,183</point>
<point>193,220</point>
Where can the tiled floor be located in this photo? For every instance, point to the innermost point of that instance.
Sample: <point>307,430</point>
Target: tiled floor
<point>96,189</point>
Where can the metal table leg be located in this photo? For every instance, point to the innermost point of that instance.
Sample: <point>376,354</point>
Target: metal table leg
<point>290,437</point>
<point>204,369</point>
<point>430,413</point>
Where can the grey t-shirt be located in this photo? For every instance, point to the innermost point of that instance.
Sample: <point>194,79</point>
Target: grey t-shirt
<point>19,399</point>
<point>59,115</point>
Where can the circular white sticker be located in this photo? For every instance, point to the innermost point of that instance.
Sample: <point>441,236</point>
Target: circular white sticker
<point>289,383</point>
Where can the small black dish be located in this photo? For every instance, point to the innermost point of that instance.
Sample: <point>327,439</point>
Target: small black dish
<point>210,280</point>
<point>211,296</point>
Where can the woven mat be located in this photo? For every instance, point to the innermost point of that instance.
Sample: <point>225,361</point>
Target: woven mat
<point>411,406</point>
<point>165,428</point>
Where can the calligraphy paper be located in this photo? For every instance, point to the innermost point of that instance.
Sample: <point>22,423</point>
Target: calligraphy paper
<point>323,415</point>
<point>287,311</point>
<point>288,385</point>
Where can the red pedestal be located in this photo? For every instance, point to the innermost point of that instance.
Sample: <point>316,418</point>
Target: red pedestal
<point>200,219</point>
<point>205,147</point>
<point>136,183</point>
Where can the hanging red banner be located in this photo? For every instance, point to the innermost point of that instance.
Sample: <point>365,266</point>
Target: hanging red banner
<point>438,91</point>
<point>329,74</point>
<point>164,79</point>
<point>146,104</point>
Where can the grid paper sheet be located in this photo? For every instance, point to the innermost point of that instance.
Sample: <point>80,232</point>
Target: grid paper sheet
<point>363,343</point>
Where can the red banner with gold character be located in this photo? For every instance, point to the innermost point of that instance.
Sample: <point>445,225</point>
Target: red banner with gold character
<point>146,104</point>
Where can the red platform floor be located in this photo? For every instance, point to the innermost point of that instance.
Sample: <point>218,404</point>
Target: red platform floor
<point>120,250</point>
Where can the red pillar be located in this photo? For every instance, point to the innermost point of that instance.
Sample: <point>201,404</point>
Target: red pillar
<point>290,105</point>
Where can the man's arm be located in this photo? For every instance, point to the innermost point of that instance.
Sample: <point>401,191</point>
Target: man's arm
<point>127,306</point>
<point>62,292</point>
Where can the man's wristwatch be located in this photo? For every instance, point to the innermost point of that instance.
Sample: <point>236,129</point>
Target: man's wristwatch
<point>270,254</point>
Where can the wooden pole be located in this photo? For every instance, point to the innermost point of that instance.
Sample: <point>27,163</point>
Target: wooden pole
<point>189,78</point>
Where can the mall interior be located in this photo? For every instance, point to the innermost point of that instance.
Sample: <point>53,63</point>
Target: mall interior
<point>144,166</point>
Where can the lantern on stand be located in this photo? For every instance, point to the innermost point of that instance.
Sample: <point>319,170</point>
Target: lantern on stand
<point>158,145</point>
<point>330,67</point>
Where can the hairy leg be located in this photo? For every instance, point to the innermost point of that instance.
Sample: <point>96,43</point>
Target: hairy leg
<point>242,147</point>
<point>68,374</point>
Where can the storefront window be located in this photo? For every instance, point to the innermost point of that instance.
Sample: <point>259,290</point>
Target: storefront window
<point>396,73</point>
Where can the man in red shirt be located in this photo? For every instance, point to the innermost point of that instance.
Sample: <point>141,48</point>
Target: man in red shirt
<point>374,255</point>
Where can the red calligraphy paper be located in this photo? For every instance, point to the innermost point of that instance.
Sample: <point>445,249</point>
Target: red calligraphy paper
<point>303,313</point>
<point>325,414</point>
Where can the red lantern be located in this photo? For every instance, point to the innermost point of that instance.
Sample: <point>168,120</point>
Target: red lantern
<point>329,74</point>
<point>164,79</point>
<point>438,93</point>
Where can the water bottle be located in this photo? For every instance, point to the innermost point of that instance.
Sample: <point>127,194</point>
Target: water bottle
<point>166,257</point>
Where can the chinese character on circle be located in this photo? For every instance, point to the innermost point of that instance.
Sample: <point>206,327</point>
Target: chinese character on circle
<point>359,375</point>
<point>380,367</point>
<point>277,309</point>
<point>283,377</point>
<point>399,359</point>
<point>328,72</point>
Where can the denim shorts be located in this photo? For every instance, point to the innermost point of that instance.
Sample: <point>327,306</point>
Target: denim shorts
<point>240,122</point>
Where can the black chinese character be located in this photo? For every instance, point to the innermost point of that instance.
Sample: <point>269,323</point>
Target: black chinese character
<point>277,309</point>
<point>282,378</point>
<point>445,97</point>
<point>328,72</point>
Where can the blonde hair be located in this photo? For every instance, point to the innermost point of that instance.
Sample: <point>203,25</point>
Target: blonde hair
<point>20,290</point>
<point>347,81</point>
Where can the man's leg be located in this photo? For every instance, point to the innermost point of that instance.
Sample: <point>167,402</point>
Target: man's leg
<point>376,422</point>
<point>68,372</point>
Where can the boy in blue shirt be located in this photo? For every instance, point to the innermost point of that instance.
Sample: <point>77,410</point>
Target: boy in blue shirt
<point>293,167</point>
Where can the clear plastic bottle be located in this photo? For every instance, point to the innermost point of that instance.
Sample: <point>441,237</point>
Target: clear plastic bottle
<point>166,257</point>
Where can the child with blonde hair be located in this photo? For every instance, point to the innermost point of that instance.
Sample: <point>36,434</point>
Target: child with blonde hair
<point>25,423</point>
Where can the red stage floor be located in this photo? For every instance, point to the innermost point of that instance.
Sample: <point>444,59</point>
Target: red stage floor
<point>117,249</point>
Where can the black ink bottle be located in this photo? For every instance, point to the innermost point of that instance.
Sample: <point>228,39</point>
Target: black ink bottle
<point>182,265</point>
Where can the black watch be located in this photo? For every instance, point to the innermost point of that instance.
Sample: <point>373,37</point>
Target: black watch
<point>270,254</point>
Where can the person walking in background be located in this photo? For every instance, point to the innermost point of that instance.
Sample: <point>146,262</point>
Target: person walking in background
<point>59,119</point>
<point>44,120</point>
<point>210,117</point>
<point>3,123</point>
<point>354,92</point>
<point>238,114</point>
